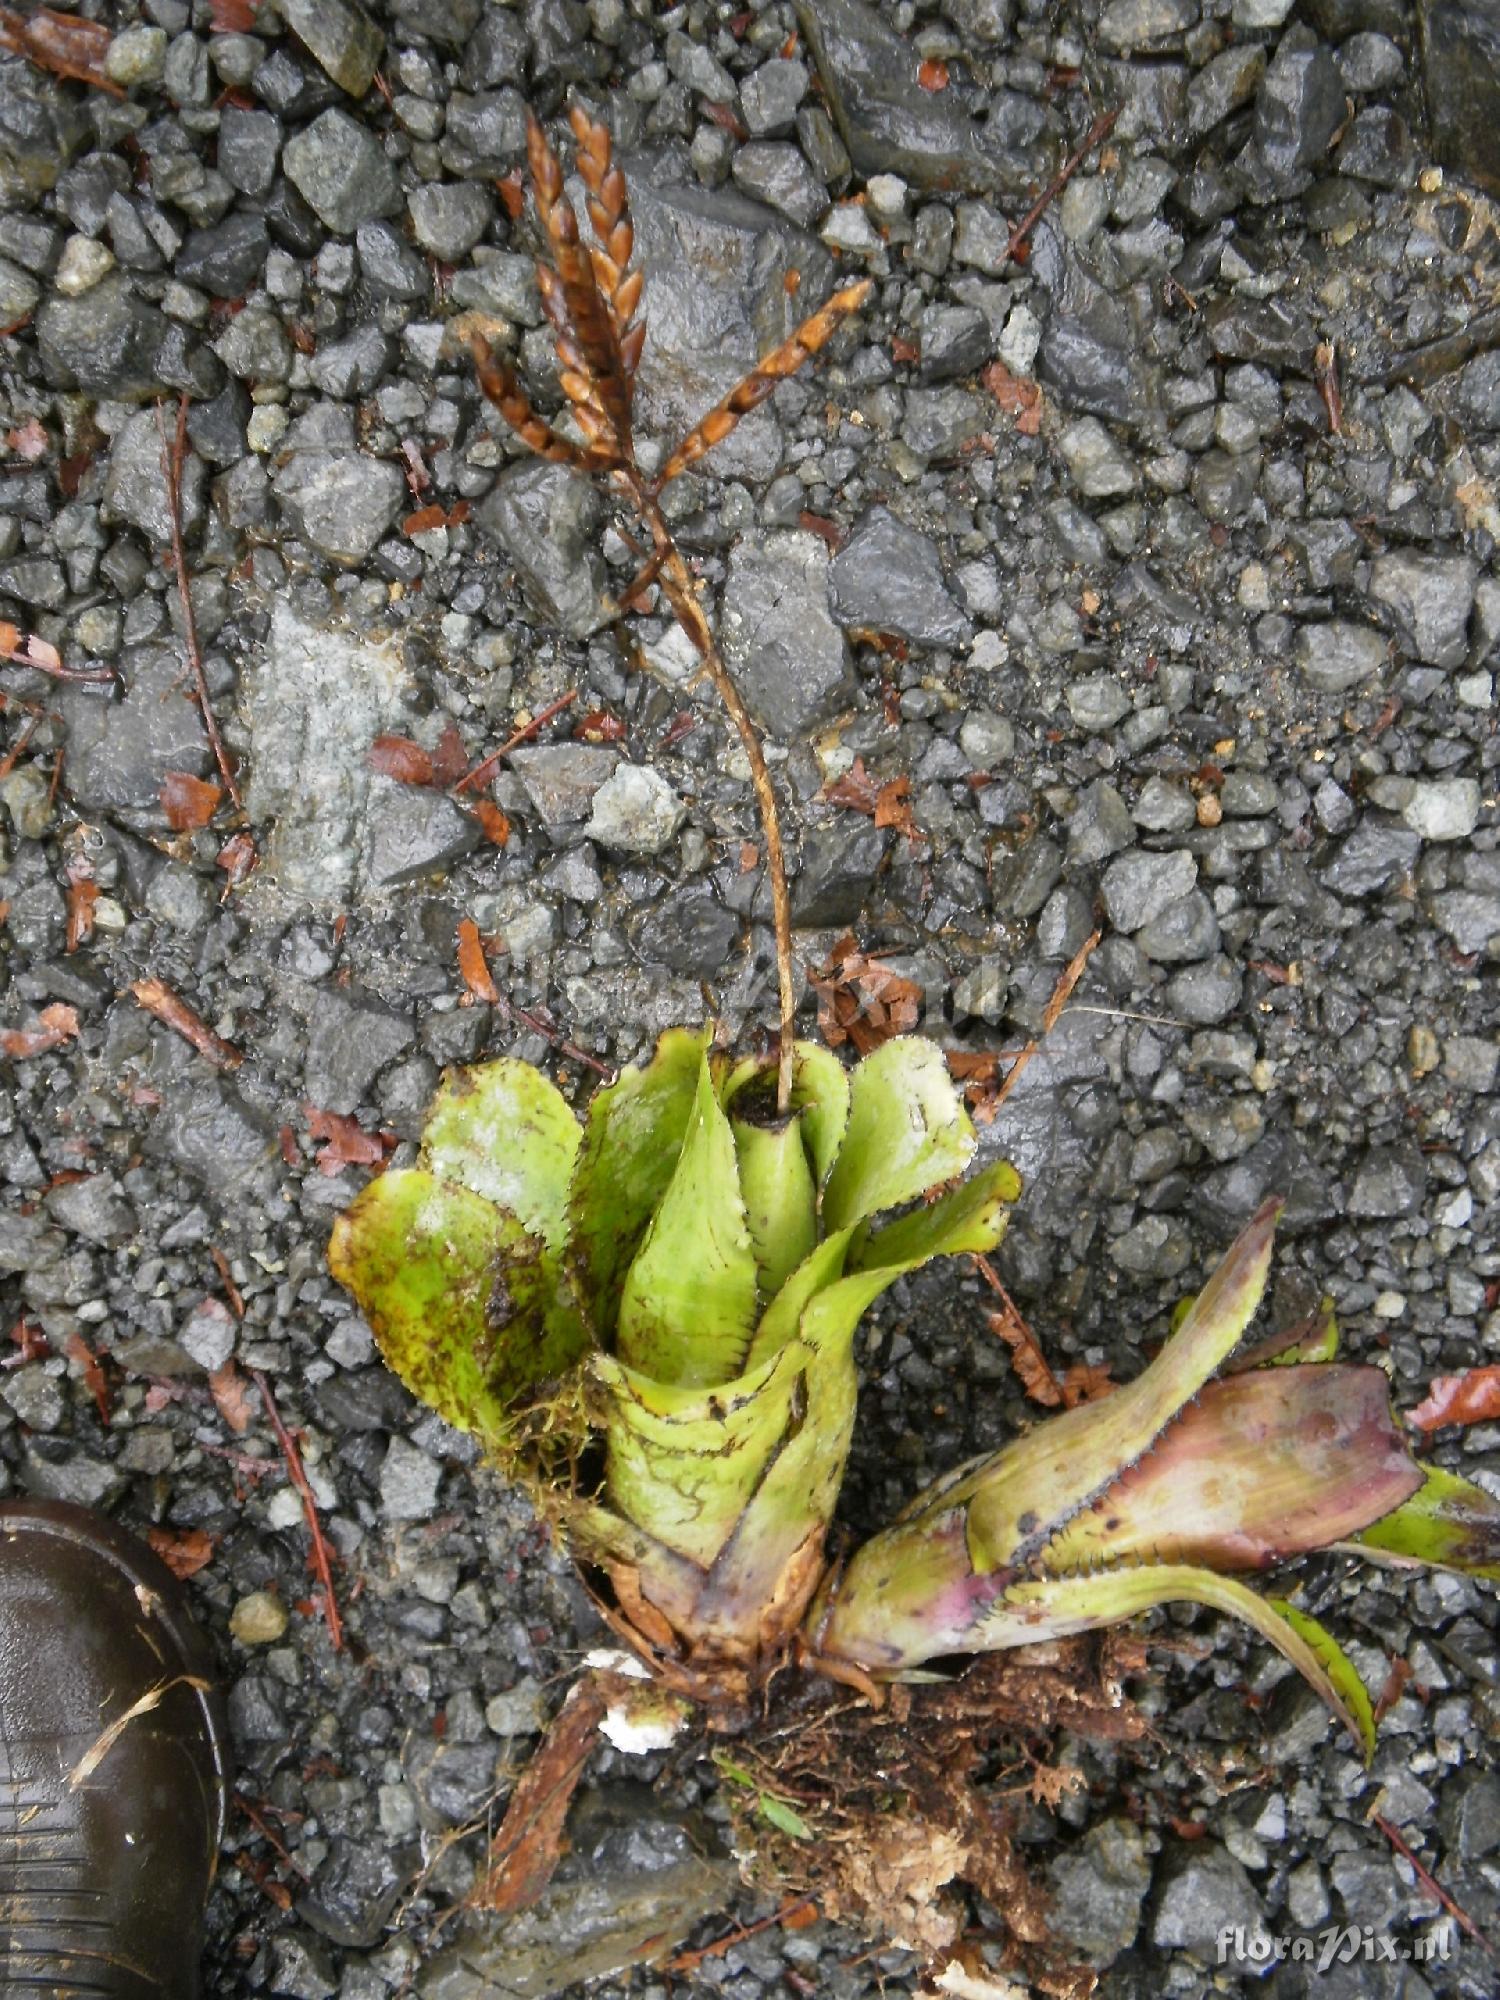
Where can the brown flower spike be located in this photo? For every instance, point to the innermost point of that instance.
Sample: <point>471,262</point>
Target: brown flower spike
<point>591,298</point>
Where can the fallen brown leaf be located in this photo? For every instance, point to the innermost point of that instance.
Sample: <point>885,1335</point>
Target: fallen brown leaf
<point>188,802</point>
<point>474,967</point>
<point>1470,1398</point>
<point>862,1001</point>
<point>184,1550</point>
<point>231,1394</point>
<point>57,1024</point>
<point>345,1141</point>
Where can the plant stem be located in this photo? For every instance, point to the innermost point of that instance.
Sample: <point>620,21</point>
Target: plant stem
<point>676,580</point>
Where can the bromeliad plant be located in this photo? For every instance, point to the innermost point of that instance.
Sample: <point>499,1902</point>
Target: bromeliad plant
<point>648,1320</point>
<point>679,1278</point>
<point>1165,1491</point>
<point>647,1317</point>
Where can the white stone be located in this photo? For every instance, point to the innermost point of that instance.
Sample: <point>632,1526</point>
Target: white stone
<point>82,264</point>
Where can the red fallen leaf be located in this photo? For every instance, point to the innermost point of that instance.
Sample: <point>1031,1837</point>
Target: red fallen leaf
<point>682,724</point>
<point>827,531</point>
<point>1086,1382</point>
<point>82,896</point>
<point>862,1001</point>
<point>418,478</point>
<point>450,759</point>
<point>61,43</point>
<point>512,193</point>
<point>232,17</point>
<point>1033,1371</point>
<point>474,967</point>
<point>70,473</point>
<point>59,1024</point>
<point>30,1341</point>
<point>346,1143</point>
<point>399,758</point>
<point>286,1139</point>
<point>237,857</point>
<point>86,1360</point>
<point>1397,1676</point>
<point>856,789</point>
<point>188,802</point>
<point>726,120</point>
<point>933,75</point>
<point>527,1847</point>
<point>893,807</point>
<point>184,1551</point>
<point>425,520</point>
<point>173,1012</point>
<point>599,726</point>
<point>231,1394</point>
<point>904,350</point>
<point>28,441</point>
<point>1018,396</point>
<point>495,825</point>
<point>1470,1398</point>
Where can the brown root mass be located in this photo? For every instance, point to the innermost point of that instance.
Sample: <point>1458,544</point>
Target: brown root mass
<point>906,1806</point>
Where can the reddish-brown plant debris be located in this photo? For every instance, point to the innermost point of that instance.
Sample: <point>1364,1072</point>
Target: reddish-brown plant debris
<point>1017,395</point>
<point>1470,1398</point>
<point>188,802</point>
<point>486,768</point>
<point>525,1851</point>
<point>57,1024</point>
<point>888,804</point>
<point>184,1550</point>
<point>473,966</point>
<point>321,1557</point>
<point>592,299</point>
<point>173,458</point>
<point>231,1394</point>
<point>345,1142</point>
<point>65,44</point>
<point>158,998</point>
<point>88,1364</point>
<point>861,1001</point>
<point>25,649</point>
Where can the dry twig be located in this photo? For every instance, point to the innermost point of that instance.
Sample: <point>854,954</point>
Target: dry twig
<point>321,1560</point>
<point>158,998</point>
<point>173,457</point>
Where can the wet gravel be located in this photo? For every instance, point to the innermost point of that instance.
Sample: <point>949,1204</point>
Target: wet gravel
<point>1201,646</point>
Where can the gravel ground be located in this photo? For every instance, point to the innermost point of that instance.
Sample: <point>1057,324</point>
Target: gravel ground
<point>1182,646</point>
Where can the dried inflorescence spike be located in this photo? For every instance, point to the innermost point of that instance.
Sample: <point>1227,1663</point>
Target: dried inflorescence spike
<point>609,212</point>
<point>591,298</point>
<point>775,367</point>
<point>498,381</point>
<point>588,344</point>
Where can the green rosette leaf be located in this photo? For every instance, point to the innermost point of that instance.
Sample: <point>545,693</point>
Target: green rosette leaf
<point>781,1201</point>
<point>632,1137</point>
<point>503,1131</point>
<point>467,1305</point>
<point>684,1463</point>
<point>907,1131</point>
<point>687,1307</point>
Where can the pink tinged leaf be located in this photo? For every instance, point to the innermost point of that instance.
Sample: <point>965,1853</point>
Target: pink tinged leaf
<point>1020,1499</point>
<point>1264,1466</point>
